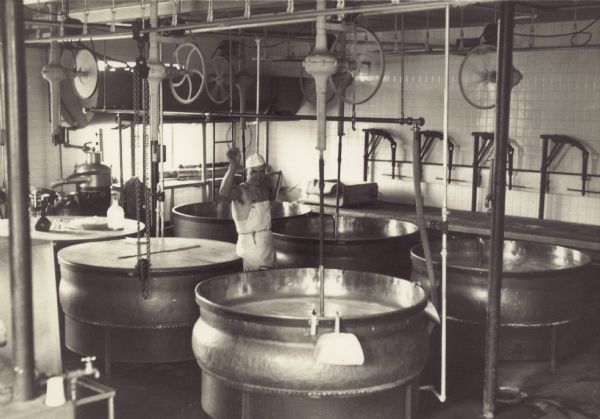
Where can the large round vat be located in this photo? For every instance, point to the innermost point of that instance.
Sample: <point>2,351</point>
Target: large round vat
<point>212,220</point>
<point>356,243</point>
<point>106,313</point>
<point>544,314</point>
<point>254,344</point>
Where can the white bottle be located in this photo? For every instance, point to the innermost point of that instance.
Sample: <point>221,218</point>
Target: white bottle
<point>115,216</point>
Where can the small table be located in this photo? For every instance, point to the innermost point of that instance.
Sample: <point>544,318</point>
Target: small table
<point>75,229</point>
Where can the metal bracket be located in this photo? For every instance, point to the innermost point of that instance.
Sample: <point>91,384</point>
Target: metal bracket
<point>558,142</point>
<point>483,144</point>
<point>373,137</point>
<point>425,142</point>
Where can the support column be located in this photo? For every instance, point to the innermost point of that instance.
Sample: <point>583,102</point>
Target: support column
<point>503,88</point>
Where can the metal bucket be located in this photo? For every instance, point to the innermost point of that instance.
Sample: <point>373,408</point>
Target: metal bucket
<point>105,311</point>
<point>361,244</point>
<point>544,314</point>
<point>254,345</point>
<point>212,220</point>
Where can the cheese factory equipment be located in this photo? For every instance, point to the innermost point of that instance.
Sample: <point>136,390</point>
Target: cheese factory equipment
<point>212,220</point>
<point>256,336</point>
<point>543,287</point>
<point>105,312</point>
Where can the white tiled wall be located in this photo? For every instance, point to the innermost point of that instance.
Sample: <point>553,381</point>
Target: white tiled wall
<point>559,94</point>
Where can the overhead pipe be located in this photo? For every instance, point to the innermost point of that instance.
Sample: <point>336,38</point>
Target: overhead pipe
<point>503,87</point>
<point>270,19</point>
<point>205,116</point>
<point>18,178</point>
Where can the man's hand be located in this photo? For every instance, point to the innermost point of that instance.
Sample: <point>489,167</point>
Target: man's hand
<point>234,156</point>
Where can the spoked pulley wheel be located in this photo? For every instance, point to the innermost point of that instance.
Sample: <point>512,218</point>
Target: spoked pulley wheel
<point>187,78</point>
<point>218,79</point>
<point>360,55</point>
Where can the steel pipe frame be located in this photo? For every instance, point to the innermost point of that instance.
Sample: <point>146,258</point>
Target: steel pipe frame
<point>15,103</point>
<point>505,65</point>
<point>272,19</point>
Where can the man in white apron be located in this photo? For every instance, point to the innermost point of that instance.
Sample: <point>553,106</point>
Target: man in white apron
<point>251,212</point>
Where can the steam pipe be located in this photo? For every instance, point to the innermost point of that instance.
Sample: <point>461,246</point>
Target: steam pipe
<point>266,20</point>
<point>503,86</point>
<point>18,178</point>
<point>228,115</point>
<point>156,74</point>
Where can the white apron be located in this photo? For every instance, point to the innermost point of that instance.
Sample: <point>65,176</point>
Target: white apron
<point>255,240</point>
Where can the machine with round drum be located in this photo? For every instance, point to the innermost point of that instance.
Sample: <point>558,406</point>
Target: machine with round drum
<point>212,220</point>
<point>543,286</point>
<point>357,243</point>
<point>257,348</point>
<point>106,313</point>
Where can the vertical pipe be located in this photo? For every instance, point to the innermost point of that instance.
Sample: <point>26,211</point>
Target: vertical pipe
<point>366,156</point>
<point>543,178</point>
<point>214,157</point>
<point>504,85</point>
<point>155,76</point>
<point>444,252</point>
<point>474,180</point>
<point>18,179</point>
<point>3,146</point>
<point>120,151</point>
<point>204,176</point>
<point>257,40</point>
<point>203,158</point>
<point>321,236</point>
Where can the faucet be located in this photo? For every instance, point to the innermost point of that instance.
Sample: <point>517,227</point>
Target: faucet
<point>87,370</point>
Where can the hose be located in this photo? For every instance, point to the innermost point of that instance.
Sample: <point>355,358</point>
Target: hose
<point>431,285</point>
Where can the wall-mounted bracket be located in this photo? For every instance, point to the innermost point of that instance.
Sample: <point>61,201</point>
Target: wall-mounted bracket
<point>548,156</point>
<point>373,138</point>
<point>483,142</point>
<point>425,142</point>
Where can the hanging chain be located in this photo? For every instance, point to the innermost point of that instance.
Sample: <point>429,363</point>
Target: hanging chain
<point>141,119</point>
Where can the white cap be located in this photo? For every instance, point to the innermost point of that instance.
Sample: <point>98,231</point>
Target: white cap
<point>254,160</point>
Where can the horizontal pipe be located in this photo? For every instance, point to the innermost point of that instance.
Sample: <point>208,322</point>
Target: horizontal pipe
<point>42,22</point>
<point>205,116</point>
<point>469,166</point>
<point>82,38</point>
<point>284,18</point>
<point>272,19</point>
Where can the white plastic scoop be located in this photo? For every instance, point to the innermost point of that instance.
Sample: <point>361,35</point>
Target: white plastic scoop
<point>339,348</point>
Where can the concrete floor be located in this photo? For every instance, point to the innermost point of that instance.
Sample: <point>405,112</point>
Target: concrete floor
<point>172,391</point>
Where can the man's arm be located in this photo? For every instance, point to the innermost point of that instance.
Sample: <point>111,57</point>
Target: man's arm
<point>229,192</point>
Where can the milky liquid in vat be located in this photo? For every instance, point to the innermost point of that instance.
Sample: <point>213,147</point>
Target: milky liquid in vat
<point>303,306</point>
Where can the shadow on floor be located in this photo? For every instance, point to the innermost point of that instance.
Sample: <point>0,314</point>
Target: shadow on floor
<point>173,390</point>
